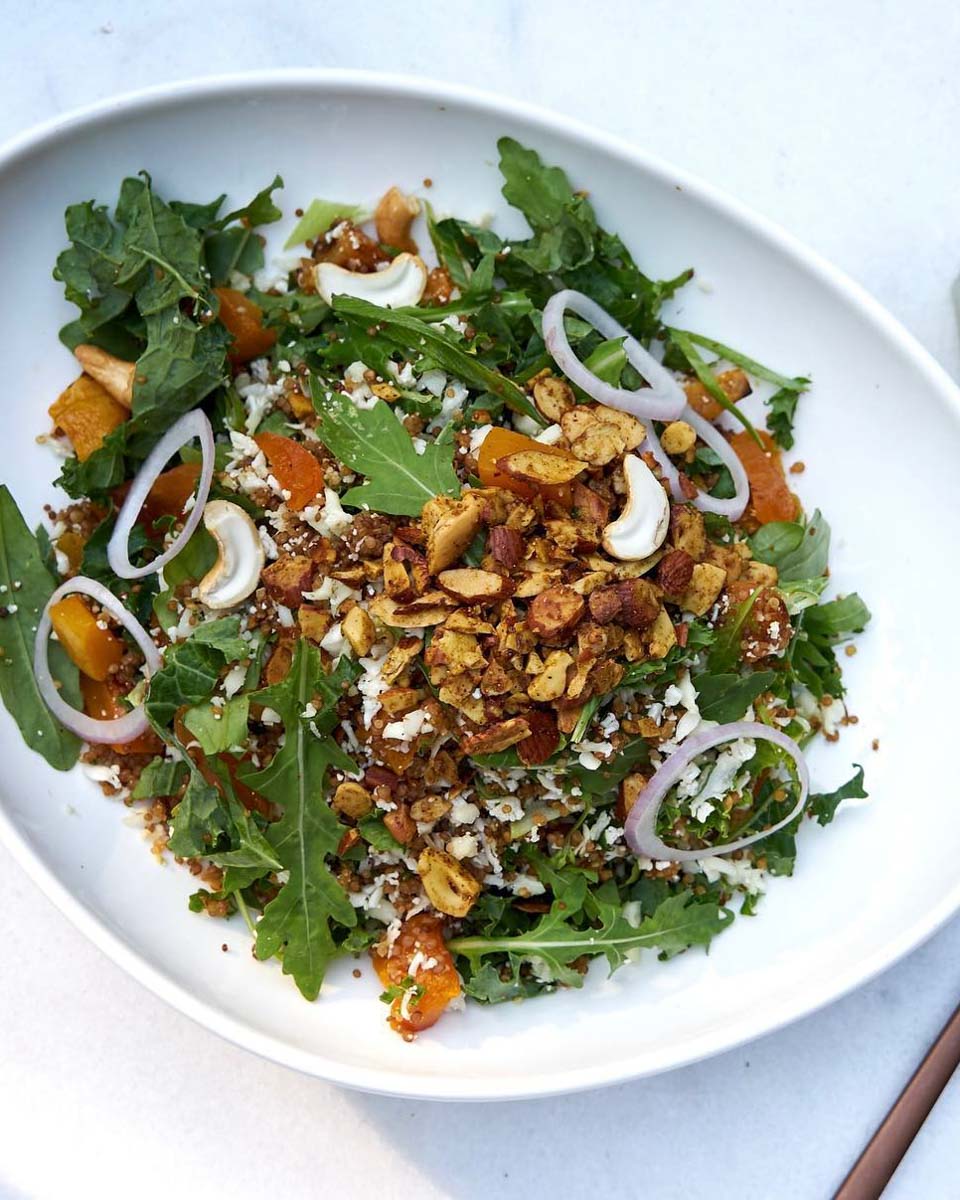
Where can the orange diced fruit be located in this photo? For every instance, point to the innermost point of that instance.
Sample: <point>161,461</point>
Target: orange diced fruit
<point>244,320</point>
<point>294,467</point>
<point>770,497</point>
<point>501,443</point>
<point>439,983</point>
<point>89,645</point>
<point>86,413</point>
<point>101,702</point>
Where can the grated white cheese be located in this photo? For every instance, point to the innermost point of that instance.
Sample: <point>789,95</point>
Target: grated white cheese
<point>549,436</point>
<point>333,520</point>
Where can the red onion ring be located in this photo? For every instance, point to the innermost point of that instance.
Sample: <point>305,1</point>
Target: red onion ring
<point>640,826</point>
<point>734,506</point>
<point>663,400</point>
<point>119,729</point>
<point>191,425</point>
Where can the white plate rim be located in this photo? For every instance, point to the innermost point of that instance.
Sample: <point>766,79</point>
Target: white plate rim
<point>390,1082</point>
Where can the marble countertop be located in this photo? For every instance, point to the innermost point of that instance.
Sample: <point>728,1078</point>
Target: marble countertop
<point>839,121</point>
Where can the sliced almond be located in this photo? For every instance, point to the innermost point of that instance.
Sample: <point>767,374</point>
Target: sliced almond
<point>450,887</point>
<point>451,527</point>
<point>417,616</point>
<point>470,585</point>
<point>533,466</point>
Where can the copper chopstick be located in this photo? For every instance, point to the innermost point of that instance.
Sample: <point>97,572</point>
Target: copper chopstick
<point>872,1171</point>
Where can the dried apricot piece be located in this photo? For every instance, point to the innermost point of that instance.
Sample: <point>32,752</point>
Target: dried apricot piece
<point>295,469</point>
<point>770,497</point>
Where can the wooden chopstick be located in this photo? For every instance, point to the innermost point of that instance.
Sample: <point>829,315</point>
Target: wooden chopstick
<point>872,1171</point>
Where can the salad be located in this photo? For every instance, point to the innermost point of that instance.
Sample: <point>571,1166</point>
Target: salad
<point>430,596</point>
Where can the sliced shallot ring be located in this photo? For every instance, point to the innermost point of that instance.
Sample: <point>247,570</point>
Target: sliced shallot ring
<point>191,425</point>
<point>118,729</point>
<point>663,400</point>
<point>709,433</point>
<point>734,506</point>
<point>641,824</point>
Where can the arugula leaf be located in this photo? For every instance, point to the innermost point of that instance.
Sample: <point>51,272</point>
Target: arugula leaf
<point>725,651</point>
<point>199,820</point>
<point>27,586</point>
<point>810,654</point>
<point>296,924</point>
<point>782,409</point>
<point>562,221</point>
<point>417,337</point>
<point>376,834</point>
<point>555,942</point>
<point>685,344</point>
<point>318,217</point>
<point>837,617</point>
<point>823,805</point>
<point>219,729</point>
<point>797,383</point>
<point>160,777</point>
<point>373,442</point>
<point>800,594</point>
<point>605,780</point>
<point>726,697</point>
<point>798,549</point>
<point>260,211</point>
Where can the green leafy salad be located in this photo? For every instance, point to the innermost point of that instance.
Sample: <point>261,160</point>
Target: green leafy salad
<point>431,596</point>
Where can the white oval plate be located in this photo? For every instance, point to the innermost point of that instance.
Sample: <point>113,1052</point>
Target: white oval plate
<point>866,891</point>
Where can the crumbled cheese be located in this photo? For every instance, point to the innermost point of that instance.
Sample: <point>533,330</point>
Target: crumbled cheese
<point>462,812</point>
<point>333,521</point>
<point>233,680</point>
<point>273,278</point>
<point>433,382</point>
<point>504,808</point>
<point>333,591</point>
<point>100,774</point>
<point>524,424</point>
<point>419,444</point>
<point>454,395</point>
<point>370,686</point>
<point>409,726</point>
<point>720,777</point>
<point>357,387</point>
<point>333,641</point>
<point>285,616</point>
<point>270,716</point>
<point>549,436</point>
<point>478,436</point>
<point>258,399</point>
<point>269,545</point>
<point>739,872</point>
<point>463,846</point>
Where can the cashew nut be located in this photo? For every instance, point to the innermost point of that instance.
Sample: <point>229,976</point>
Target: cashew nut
<point>397,286</point>
<point>393,217</point>
<point>240,560</point>
<point>113,374</point>
<point>642,525</point>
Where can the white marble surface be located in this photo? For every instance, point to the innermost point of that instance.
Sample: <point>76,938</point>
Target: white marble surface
<point>839,120</point>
